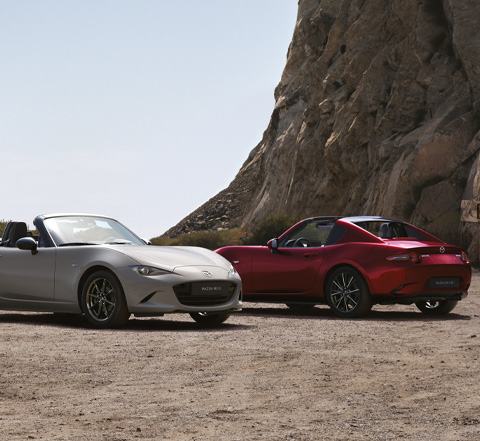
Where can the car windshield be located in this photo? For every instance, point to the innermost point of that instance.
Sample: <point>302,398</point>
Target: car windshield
<point>89,230</point>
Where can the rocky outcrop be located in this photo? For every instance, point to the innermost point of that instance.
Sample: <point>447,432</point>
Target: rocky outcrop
<point>224,211</point>
<point>377,112</point>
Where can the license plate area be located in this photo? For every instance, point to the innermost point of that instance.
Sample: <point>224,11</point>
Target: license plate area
<point>444,282</point>
<point>209,288</point>
<point>209,293</point>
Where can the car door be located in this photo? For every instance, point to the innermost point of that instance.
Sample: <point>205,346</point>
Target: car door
<point>287,270</point>
<point>26,277</point>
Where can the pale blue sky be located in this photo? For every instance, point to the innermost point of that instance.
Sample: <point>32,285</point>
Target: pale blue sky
<point>140,109</point>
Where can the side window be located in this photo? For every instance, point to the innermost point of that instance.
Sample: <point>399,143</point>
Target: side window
<point>313,234</point>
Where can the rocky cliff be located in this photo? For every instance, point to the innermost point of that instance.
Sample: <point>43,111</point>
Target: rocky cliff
<point>377,112</point>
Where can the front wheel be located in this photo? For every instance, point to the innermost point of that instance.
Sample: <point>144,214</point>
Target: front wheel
<point>103,301</point>
<point>209,319</point>
<point>436,307</point>
<point>347,293</point>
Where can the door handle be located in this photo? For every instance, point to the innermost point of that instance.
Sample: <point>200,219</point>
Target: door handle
<point>314,254</point>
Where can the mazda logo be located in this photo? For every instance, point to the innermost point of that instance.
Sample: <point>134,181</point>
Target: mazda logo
<point>207,274</point>
<point>442,249</point>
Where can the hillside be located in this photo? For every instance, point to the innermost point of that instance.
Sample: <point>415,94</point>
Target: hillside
<point>377,112</point>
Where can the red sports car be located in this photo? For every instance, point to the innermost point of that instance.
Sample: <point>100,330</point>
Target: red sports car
<point>351,263</point>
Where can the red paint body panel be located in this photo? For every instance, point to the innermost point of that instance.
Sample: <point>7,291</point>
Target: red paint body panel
<point>290,273</point>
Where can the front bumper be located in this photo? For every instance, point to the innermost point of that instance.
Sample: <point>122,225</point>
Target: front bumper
<point>155,295</point>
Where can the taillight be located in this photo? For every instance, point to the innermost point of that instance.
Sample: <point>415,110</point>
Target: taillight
<point>412,256</point>
<point>464,257</point>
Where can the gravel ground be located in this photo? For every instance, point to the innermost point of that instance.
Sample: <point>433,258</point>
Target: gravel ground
<point>267,374</point>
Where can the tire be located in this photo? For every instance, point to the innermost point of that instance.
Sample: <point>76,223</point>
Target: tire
<point>347,293</point>
<point>300,307</point>
<point>103,301</point>
<point>436,307</point>
<point>209,319</point>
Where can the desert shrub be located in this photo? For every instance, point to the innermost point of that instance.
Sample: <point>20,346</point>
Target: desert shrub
<point>3,224</point>
<point>270,227</point>
<point>205,239</point>
<point>164,241</point>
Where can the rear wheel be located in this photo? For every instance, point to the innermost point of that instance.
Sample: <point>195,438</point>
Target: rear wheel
<point>347,293</point>
<point>436,307</point>
<point>103,301</point>
<point>209,319</point>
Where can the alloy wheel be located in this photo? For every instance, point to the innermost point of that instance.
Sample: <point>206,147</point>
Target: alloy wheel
<point>100,299</point>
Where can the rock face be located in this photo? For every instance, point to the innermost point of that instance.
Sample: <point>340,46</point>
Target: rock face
<point>377,112</point>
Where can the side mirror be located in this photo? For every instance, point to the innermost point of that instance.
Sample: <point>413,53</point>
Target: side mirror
<point>27,243</point>
<point>273,245</point>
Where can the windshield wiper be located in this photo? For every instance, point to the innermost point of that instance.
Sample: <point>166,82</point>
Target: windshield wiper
<point>76,244</point>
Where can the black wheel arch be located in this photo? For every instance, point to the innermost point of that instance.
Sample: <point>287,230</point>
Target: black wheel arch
<point>360,271</point>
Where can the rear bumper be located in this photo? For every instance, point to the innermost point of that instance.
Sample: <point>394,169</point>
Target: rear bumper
<point>405,280</point>
<point>420,297</point>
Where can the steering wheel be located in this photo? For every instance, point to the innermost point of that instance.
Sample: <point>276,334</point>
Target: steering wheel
<point>301,242</point>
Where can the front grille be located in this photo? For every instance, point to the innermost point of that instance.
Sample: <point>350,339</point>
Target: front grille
<point>209,293</point>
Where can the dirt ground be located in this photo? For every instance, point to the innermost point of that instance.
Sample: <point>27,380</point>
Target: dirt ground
<point>267,374</point>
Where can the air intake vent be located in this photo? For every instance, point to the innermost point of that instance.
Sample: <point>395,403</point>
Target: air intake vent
<point>209,293</point>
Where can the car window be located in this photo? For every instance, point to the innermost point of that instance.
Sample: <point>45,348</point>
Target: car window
<point>389,230</point>
<point>312,234</point>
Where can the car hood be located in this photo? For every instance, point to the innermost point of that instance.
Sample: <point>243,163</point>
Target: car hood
<point>169,258</point>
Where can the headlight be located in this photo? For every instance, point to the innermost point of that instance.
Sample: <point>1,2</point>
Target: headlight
<point>150,271</point>
<point>232,271</point>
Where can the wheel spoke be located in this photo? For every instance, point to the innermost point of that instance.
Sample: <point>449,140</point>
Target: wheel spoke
<point>99,310</point>
<point>352,301</point>
<point>105,311</point>
<point>96,288</point>
<point>337,285</point>
<point>337,302</point>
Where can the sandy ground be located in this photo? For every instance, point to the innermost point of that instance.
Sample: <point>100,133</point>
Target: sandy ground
<point>267,374</point>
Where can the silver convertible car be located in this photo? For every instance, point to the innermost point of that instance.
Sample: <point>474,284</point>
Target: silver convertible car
<point>90,264</point>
